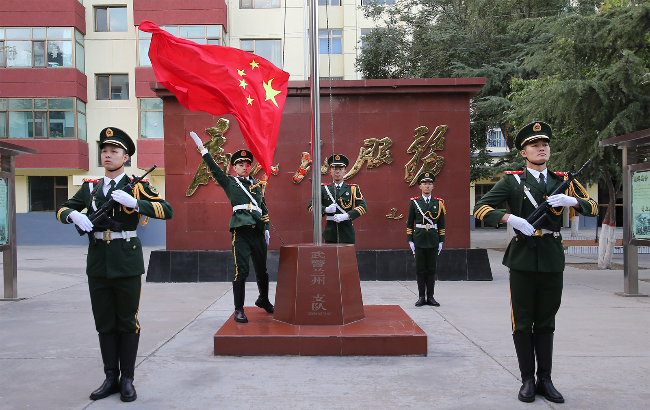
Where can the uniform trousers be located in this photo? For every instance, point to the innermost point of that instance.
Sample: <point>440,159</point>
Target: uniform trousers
<point>249,242</point>
<point>426,260</point>
<point>115,303</point>
<point>535,298</point>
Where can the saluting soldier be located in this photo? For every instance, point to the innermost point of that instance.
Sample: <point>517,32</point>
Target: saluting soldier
<point>536,274</point>
<point>249,225</point>
<point>115,264</point>
<point>425,233</point>
<point>341,203</point>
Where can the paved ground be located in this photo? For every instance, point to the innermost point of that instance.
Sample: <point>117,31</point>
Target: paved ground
<point>49,355</point>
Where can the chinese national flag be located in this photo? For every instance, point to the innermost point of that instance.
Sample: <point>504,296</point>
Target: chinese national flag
<point>223,80</point>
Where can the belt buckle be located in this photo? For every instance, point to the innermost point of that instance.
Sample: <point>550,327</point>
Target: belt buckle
<point>107,235</point>
<point>249,206</point>
<point>428,226</point>
<point>538,233</point>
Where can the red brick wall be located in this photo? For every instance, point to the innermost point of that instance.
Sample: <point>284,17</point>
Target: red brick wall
<point>175,12</point>
<point>51,13</point>
<point>361,110</point>
<point>54,154</point>
<point>43,83</point>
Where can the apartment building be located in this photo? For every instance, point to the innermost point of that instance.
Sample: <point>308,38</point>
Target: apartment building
<point>69,68</point>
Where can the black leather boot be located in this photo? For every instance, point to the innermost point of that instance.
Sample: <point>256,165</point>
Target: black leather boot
<point>263,300</point>
<point>421,290</point>
<point>128,355</point>
<point>108,344</point>
<point>239,292</point>
<point>525,348</point>
<point>544,353</point>
<point>431,283</point>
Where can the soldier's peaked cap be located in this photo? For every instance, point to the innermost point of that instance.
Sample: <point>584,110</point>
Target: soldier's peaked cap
<point>426,177</point>
<point>241,155</point>
<point>115,136</point>
<point>533,132</point>
<point>338,160</point>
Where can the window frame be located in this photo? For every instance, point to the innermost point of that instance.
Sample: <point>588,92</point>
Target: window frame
<point>330,42</point>
<point>146,37</point>
<point>4,108</point>
<point>55,187</point>
<point>46,39</point>
<point>255,40</point>
<point>110,82</point>
<point>140,111</point>
<point>252,6</point>
<point>108,19</point>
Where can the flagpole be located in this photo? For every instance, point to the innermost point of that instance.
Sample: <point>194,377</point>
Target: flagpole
<point>315,123</point>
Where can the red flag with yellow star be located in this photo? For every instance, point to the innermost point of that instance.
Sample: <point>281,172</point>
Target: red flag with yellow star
<point>223,80</point>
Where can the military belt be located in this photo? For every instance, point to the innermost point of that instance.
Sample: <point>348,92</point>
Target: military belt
<point>542,232</point>
<point>427,226</point>
<point>249,207</point>
<point>110,235</point>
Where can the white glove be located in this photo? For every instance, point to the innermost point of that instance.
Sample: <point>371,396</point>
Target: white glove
<point>330,209</point>
<point>439,248</point>
<point>412,245</point>
<point>81,221</point>
<point>521,225</point>
<point>341,217</point>
<point>198,142</point>
<point>267,237</point>
<point>124,199</point>
<point>562,200</point>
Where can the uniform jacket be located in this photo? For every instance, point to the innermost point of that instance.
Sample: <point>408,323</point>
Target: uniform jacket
<point>548,255</point>
<point>435,211</point>
<point>350,199</point>
<point>117,258</point>
<point>241,217</point>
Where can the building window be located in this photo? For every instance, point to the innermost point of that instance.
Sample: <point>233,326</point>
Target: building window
<point>41,47</point>
<point>199,34</point>
<point>329,2</point>
<point>47,193</point>
<point>496,139</point>
<point>330,41</point>
<point>259,4</point>
<point>151,118</point>
<point>42,118</point>
<point>112,86</point>
<point>269,49</point>
<point>110,19</point>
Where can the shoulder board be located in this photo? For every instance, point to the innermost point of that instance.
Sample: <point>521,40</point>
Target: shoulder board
<point>351,184</point>
<point>417,197</point>
<point>324,184</point>
<point>439,199</point>
<point>513,172</point>
<point>94,181</point>
<point>560,174</point>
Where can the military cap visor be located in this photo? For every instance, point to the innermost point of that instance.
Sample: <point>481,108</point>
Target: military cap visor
<point>117,137</point>
<point>426,177</point>
<point>241,155</point>
<point>338,160</point>
<point>533,132</point>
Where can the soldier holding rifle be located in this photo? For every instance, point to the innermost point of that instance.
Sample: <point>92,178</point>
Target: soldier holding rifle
<point>535,256</point>
<point>115,264</point>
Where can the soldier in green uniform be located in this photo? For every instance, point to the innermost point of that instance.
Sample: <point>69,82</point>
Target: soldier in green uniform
<point>425,233</point>
<point>536,274</point>
<point>115,264</point>
<point>249,225</point>
<point>341,203</point>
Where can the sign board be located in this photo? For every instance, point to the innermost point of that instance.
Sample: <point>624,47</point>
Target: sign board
<point>4,209</point>
<point>640,205</point>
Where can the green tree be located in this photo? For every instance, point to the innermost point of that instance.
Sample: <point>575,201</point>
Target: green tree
<point>455,38</point>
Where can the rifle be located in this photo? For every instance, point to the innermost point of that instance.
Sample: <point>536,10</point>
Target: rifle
<point>540,219</point>
<point>100,219</point>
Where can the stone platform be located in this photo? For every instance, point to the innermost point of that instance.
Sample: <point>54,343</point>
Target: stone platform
<point>386,330</point>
